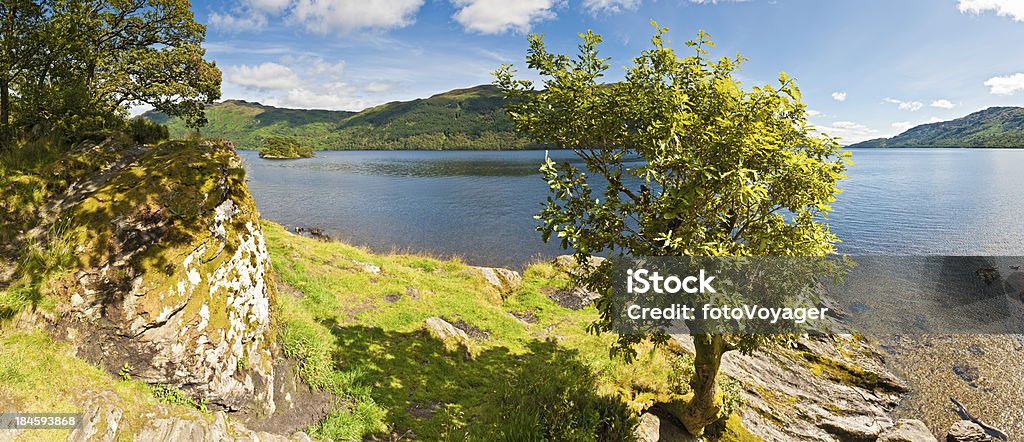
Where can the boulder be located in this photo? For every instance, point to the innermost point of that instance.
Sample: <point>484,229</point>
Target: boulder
<point>657,426</point>
<point>445,331</point>
<point>966,431</point>
<point>171,285</point>
<point>908,430</point>
<point>505,280</point>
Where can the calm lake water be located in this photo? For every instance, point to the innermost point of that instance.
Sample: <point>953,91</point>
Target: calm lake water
<point>480,205</point>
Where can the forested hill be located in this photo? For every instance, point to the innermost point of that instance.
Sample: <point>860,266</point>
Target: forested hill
<point>992,127</point>
<point>470,118</point>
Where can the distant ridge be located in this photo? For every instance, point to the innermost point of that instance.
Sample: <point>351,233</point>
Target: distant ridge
<point>471,118</point>
<point>1001,127</point>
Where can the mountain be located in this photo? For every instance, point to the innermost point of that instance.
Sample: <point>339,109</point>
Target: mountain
<point>992,127</point>
<point>470,118</point>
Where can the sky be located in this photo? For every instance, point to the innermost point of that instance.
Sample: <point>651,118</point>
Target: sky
<point>867,68</point>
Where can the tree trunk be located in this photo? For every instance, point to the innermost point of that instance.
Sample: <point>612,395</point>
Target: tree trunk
<point>5,106</point>
<point>706,405</point>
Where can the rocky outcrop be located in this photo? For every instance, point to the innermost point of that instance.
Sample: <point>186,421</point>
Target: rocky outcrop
<point>908,430</point>
<point>824,389</point>
<point>171,284</point>
<point>657,426</point>
<point>966,431</point>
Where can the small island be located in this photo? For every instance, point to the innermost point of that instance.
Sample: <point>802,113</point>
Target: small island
<point>284,148</point>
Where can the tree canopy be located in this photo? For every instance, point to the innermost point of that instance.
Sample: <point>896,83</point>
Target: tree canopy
<point>79,65</point>
<point>680,160</point>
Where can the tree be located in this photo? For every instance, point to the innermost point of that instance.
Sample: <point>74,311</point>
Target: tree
<point>20,23</point>
<point>680,160</point>
<point>100,57</point>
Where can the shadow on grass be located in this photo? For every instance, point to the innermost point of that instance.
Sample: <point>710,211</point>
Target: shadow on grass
<point>438,394</point>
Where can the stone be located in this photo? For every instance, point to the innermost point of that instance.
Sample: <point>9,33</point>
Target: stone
<point>966,431</point>
<point>444,330</point>
<point>505,280</point>
<point>173,282</point>
<point>908,430</point>
<point>657,426</point>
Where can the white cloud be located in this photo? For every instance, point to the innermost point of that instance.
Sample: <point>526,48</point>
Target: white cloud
<point>319,66</point>
<point>610,6</point>
<point>264,76</point>
<point>935,120</point>
<point>1008,85</point>
<point>943,104</point>
<point>1005,8</point>
<point>912,106</point>
<point>839,96</point>
<point>238,21</point>
<point>849,131</point>
<point>379,86</point>
<point>902,125</point>
<point>344,16</point>
<point>268,5</point>
<point>813,113</point>
<point>500,16</point>
<point>334,97</point>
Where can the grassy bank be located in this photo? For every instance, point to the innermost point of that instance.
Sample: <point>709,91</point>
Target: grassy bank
<point>529,370</point>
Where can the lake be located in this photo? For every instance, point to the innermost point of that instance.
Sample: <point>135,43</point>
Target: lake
<point>480,205</point>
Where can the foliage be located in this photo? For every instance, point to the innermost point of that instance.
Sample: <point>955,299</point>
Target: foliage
<point>284,148</point>
<point>992,127</point>
<point>461,119</point>
<point>680,160</point>
<point>170,394</point>
<point>145,131</point>
<point>82,63</point>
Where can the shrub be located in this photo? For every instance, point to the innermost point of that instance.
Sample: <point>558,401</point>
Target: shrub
<point>145,131</point>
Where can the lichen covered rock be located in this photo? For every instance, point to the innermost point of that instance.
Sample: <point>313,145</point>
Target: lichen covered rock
<point>171,285</point>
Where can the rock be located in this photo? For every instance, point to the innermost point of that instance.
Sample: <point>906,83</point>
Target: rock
<point>444,330</point>
<point>657,426</point>
<point>793,394</point>
<point>505,280</point>
<point>197,428</point>
<point>908,430</point>
<point>966,431</point>
<point>574,298</point>
<point>100,419</point>
<point>568,264</point>
<point>172,280</point>
<point>367,267</point>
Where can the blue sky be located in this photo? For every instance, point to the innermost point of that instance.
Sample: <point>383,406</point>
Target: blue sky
<point>867,68</point>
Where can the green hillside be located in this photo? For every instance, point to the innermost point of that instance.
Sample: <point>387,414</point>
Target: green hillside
<point>992,127</point>
<point>460,119</point>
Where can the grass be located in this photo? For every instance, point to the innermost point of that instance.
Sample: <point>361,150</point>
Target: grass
<point>40,375</point>
<point>545,378</point>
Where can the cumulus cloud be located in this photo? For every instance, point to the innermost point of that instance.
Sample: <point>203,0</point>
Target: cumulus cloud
<point>344,16</point>
<point>336,96</point>
<point>943,104</point>
<point>320,16</point>
<point>912,106</point>
<point>902,125</point>
<point>379,86</point>
<point>813,113</point>
<point>839,96</point>
<point>849,131</point>
<point>610,6</point>
<point>500,16</point>
<point>1004,8</point>
<point>1008,85</point>
<point>268,76</point>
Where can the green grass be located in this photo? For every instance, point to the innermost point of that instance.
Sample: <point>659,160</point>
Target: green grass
<point>515,380</point>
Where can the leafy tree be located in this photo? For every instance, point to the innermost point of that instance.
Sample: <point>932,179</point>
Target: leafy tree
<point>20,23</point>
<point>680,160</point>
<point>99,57</point>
